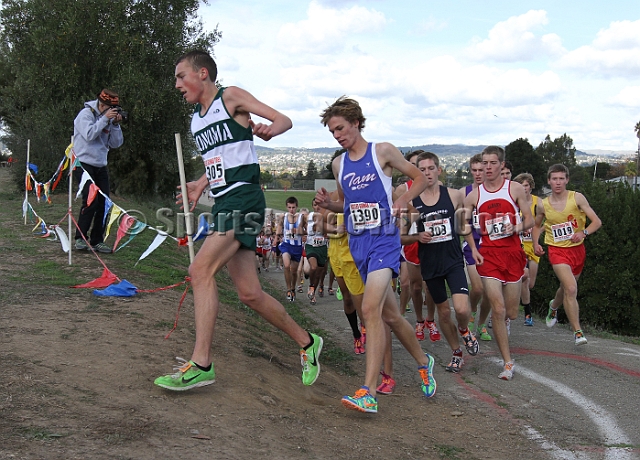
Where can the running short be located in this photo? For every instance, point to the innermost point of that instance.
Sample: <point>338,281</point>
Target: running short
<point>319,252</point>
<point>573,256</point>
<point>529,252</point>
<point>468,255</point>
<point>410,252</point>
<point>295,252</point>
<point>503,264</point>
<point>455,279</point>
<point>241,210</point>
<point>343,265</point>
<point>375,252</point>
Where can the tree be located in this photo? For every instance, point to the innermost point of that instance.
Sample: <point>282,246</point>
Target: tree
<point>328,167</point>
<point>312,171</point>
<point>560,150</point>
<point>524,158</point>
<point>56,54</point>
<point>265,177</point>
<point>459,179</point>
<point>601,170</point>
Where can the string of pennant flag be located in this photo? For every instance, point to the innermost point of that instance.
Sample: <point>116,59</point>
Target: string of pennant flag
<point>128,225</point>
<point>108,284</point>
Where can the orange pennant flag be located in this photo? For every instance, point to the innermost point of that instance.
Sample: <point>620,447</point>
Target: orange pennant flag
<point>93,191</point>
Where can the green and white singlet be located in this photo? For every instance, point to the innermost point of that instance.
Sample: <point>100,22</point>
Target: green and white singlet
<point>227,148</point>
<point>231,166</point>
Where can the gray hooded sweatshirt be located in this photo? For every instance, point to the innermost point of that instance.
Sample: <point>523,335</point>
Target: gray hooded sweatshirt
<point>94,135</point>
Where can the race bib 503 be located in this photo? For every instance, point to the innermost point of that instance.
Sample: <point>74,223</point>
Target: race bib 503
<point>440,230</point>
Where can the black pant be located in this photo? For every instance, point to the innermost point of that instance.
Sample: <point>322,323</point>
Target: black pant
<point>95,211</point>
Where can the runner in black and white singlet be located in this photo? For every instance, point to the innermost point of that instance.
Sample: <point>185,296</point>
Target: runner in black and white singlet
<point>410,278</point>
<point>441,260</point>
<point>363,177</point>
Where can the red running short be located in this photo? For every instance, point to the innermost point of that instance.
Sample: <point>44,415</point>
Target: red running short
<point>573,256</point>
<point>411,253</point>
<point>505,265</point>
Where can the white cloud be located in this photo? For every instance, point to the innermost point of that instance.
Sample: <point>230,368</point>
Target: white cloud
<point>513,40</point>
<point>627,97</point>
<point>326,29</point>
<point>614,52</point>
<point>428,25</point>
<point>445,80</point>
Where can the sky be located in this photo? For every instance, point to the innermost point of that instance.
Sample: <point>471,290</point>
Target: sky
<point>433,72</point>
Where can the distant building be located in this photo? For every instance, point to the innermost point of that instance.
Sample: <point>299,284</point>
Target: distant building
<point>633,182</point>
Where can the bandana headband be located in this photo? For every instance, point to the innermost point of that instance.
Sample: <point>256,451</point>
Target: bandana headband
<point>108,99</point>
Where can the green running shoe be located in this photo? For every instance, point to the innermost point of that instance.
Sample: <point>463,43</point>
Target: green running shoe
<point>484,334</point>
<point>188,376</point>
<point>309,360</point>
<point>362,401</point>
<point>428,382</point>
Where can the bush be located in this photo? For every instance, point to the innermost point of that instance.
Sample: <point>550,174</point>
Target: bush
<point>609,288</point>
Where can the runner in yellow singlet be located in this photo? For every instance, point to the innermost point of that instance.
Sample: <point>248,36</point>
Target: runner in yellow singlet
<point>566,213</point>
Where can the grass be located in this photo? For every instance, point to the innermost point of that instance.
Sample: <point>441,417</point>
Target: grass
<point>445,451</point>
<point>40,434</point>
<point>276,198</point>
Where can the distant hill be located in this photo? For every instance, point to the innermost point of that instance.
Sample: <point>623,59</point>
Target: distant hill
<point>610,153</point>
<point>453,156</point>
<point>438,149</point>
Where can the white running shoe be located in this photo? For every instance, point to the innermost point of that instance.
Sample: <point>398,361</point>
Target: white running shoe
<point>507,373</point>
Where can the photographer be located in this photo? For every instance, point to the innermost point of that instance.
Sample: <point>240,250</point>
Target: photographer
<point>96,129</point>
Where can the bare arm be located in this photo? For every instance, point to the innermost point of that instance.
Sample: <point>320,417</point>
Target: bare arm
<point>537,229</point>
<point>323,197</point>
<point>519,195</point>
<point>194,192</point>
<point>392,158</point>
<point>595,224</point>
<point>241,104</point>
<point>406,222</point>
<point>468,205</point>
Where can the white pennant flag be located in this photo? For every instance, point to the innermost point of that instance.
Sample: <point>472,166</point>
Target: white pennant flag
<point>158,240</point>
<point>85,177</point>
<point>64,241</point>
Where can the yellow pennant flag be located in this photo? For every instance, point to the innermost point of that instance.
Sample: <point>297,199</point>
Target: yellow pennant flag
<point>115,213</point>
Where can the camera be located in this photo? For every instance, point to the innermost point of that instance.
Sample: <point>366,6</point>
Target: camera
<point>122,113</point>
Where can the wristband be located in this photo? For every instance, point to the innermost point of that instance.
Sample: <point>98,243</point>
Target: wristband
<point>586,232</point>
